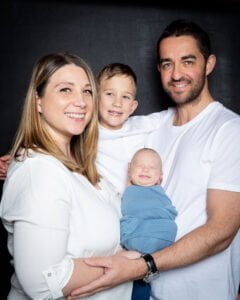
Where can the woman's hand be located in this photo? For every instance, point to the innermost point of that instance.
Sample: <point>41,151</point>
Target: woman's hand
<point>131,254</point>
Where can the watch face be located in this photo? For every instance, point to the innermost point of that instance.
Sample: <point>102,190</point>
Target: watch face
<point>151,276</point>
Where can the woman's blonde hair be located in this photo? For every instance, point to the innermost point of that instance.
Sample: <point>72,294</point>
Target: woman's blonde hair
<point>31,133</point>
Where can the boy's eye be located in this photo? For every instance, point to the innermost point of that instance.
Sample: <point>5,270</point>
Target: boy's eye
<point>126,97</point>
<point>108,93</point>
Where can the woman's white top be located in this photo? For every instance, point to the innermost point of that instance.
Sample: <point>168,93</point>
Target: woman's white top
<point>53,215</point>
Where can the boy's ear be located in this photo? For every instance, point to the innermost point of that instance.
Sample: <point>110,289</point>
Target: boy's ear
<point>134,106</point>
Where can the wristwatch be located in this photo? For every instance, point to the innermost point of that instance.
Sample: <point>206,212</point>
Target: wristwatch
<point>152,268</point>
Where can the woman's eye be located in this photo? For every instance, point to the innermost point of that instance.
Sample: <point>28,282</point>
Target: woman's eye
<point>87,91</point>
<point>65,90</point>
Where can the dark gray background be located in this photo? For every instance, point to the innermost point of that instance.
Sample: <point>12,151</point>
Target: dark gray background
<point>103,33</point>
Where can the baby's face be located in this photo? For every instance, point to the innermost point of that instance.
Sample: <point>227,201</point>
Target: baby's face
<point>116,101</point>
<point>145,169</point>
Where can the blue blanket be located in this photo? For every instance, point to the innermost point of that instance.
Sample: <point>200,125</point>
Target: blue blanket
<point>147,222</point>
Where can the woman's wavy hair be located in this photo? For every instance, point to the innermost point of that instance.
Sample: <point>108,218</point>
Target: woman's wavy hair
<point>32,134</point>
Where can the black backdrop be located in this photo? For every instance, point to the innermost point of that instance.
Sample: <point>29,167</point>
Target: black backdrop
<point>102,33</point>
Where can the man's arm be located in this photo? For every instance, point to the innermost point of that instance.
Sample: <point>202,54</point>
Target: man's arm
<point>223,208</point>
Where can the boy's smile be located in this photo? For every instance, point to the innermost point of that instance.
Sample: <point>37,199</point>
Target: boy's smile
<point>116,101</point>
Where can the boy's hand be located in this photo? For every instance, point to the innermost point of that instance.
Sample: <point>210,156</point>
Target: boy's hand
<point>4,163</point>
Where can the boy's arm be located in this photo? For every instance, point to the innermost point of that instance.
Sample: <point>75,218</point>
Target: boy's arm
<point>149,122</point>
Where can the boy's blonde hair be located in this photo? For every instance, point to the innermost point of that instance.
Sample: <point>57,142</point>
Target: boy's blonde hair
<point>31,133</point>
<point>115,69</point>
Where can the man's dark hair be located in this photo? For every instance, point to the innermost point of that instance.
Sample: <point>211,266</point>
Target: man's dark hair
<point>184,27</point>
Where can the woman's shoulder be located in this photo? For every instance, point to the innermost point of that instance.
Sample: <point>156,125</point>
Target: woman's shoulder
<point>35,178</point>
<point>36,169</point>
<point>35,160</point>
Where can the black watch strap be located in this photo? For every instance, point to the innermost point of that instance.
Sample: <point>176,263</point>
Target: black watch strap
<point>152,268</point>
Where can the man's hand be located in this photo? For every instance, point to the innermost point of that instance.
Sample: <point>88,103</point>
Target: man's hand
<point>4,163</point>
<point>118,269</point>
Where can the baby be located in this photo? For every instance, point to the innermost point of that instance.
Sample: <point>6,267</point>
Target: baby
<point>147,222</point>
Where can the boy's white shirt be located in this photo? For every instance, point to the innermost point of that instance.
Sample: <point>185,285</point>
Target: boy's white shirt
<point>117,147</point>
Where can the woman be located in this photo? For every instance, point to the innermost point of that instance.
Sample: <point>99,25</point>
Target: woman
<point>56,208</point>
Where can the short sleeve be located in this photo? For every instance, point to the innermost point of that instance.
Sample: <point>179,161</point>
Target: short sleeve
<point>225,171</point>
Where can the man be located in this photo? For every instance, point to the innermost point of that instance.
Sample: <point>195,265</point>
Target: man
<point>199,142</point>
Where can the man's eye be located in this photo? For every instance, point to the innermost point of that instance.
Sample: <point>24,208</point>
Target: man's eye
<point>188,62</point>
<point>166,66</point>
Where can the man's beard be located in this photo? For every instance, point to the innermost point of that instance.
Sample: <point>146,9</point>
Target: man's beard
<point>192,95</point>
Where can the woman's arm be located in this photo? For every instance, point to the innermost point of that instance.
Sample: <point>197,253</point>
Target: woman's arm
<point>42,264</point>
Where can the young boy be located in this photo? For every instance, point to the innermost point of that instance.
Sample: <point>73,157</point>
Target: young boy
<point>120,136</point>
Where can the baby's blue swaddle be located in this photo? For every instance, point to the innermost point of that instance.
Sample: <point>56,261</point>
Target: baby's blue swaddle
<point>147,222</point>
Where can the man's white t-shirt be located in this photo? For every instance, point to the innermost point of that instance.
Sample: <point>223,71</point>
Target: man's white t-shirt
<point>199,155</point>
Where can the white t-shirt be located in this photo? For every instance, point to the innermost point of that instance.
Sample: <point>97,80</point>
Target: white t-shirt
<point>200,155</point>
<point>53,215</point>
<point>117,147</point>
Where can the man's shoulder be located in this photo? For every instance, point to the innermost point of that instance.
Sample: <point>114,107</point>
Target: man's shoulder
<point>226,118</point>
<point>225,112</point>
